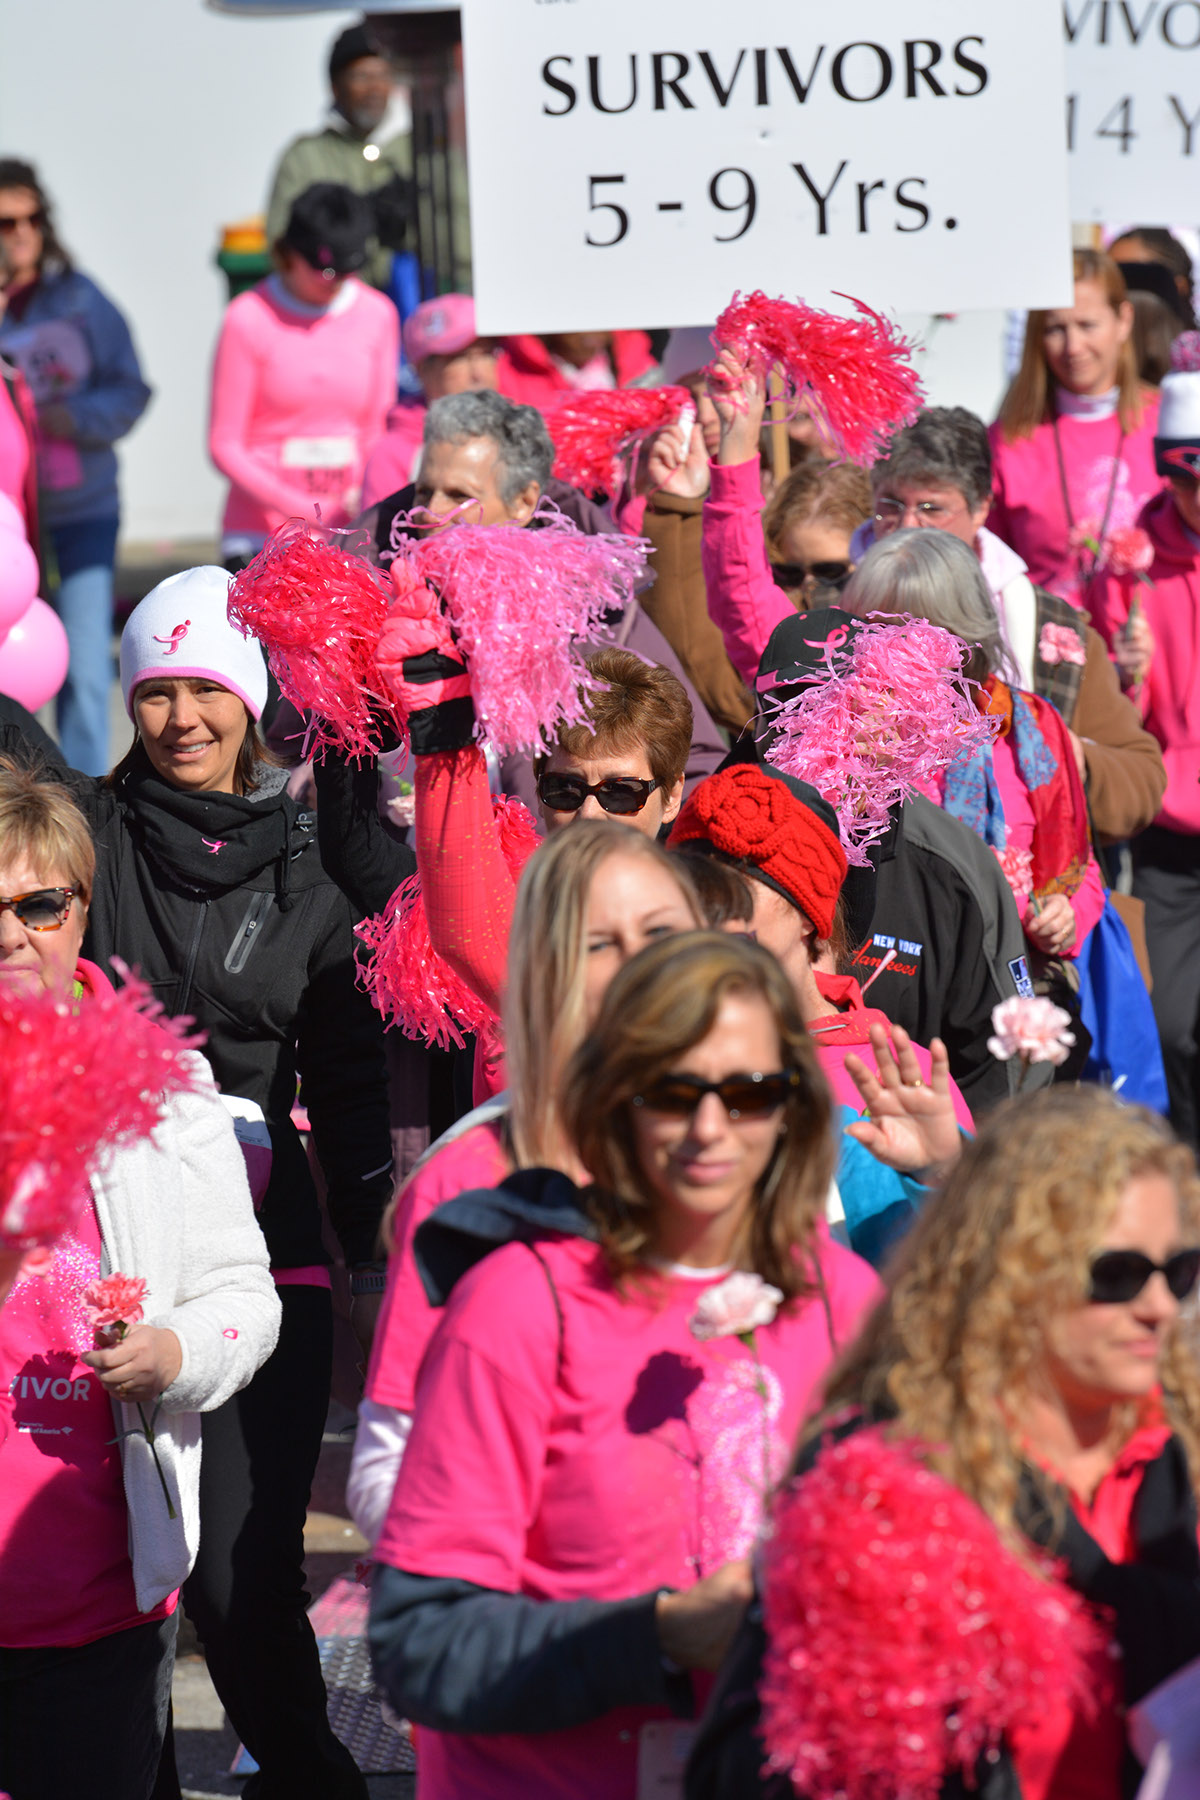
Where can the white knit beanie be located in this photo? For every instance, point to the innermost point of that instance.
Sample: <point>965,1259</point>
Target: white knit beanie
<point>1177,435</point>
<point>182,628</point>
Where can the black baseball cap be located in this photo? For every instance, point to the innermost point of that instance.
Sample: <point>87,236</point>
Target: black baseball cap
<point>351,46</point>
<point>329,226</point>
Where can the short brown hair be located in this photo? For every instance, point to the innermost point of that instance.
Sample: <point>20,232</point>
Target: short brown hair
<point>641,707</point>
<point>1029,402</point>
<point>662,1002</point>
<point>834,493</point>
<point>40,820</point>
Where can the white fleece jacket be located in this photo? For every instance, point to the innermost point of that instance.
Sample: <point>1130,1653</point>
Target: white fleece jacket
<point>176,1210</point>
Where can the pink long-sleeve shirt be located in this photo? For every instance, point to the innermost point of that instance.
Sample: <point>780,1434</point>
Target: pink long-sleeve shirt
<point>299,399</point>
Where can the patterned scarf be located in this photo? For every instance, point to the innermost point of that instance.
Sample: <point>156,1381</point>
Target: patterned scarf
<point>1046,764</point>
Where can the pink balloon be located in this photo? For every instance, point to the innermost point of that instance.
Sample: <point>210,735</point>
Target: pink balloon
<point>11,516</point>
<point>18,579</point>
<point>34,657</point>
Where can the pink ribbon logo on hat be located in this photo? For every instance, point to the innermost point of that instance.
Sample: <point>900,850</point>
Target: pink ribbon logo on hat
<point>176,638</point>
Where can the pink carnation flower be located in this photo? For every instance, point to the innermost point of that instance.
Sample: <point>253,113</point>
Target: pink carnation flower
<point>1032,1028</point>
<point>1060,643</point>
<point>1018,870</point>
<point>737,1305</point>
<point>1128,552</point>
<point>114,1300</point>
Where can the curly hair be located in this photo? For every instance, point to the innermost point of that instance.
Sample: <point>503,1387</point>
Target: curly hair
<point>958,1342</point>
<point>524,452</point>
<point>664,1001</point>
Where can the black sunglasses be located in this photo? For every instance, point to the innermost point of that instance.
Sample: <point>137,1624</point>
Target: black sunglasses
<point>43,909</point>
<point>1120,1275</point>
<point>623,794</point>
<point>742,1096</point>
<point>794,574</point>
<point>36,219</point>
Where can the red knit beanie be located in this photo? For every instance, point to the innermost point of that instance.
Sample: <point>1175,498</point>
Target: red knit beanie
<point>779,829</point>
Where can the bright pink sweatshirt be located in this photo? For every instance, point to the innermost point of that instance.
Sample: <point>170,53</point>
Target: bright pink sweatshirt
<point>1170,695</point>
<point>299,398</point>
<point>578,1441</point>
<point>745,603</point>
<point>1028,510</point>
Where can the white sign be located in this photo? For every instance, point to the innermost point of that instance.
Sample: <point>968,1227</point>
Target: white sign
<point>632,162</point>
<point>1133,109</point>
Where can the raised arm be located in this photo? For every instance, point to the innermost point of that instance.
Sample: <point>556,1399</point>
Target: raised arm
<point>743,599</point>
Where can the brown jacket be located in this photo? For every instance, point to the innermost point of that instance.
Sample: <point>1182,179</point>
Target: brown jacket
<point>1126,779</point>
<point>678,605</point>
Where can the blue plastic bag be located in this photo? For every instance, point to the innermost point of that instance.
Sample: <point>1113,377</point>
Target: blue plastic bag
<point>1116,1009</point>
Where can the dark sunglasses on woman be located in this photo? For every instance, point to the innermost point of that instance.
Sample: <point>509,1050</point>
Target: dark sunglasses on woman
<point>42,909</point>
<point>795,574</point>
<point>1118,1276</point>
<point>8,223</point>
<point>619,794</point>
<point>742,1096</point>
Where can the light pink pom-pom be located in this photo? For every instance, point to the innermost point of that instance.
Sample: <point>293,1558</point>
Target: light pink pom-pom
<point>856,374</point>
<point>318,610</point>
<point>905,1639</point>
<point>76,1077</point>
<point>596,431</point>
<point>517,599</point>
<point>406,978</point>
<point>893,711</point>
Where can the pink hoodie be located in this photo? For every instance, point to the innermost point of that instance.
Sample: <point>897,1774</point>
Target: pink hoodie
<point>1170,695</point>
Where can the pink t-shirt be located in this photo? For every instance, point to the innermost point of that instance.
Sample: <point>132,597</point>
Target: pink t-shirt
<point>1028,510</point>
<point>477,1159</point>
<point>299,398</point>
<point>65,1573</point>
<point>621,1457</point>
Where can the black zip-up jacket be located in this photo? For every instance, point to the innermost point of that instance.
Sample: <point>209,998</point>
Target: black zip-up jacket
<point>254,940</point>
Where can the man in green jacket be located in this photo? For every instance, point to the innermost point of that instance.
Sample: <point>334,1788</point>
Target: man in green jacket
<point>364,145</point>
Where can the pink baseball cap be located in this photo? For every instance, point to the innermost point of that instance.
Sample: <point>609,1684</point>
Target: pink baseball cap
<point>441,327</point>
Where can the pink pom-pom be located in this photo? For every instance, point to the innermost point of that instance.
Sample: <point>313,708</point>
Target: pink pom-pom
<point>1130,551</point>
<point>318,611</point>
<point>891,713</point>
<point>855,373</point>
<point>905,1639</point>
<point>595,431</point>
<point>406,978</point>
<point>76,1077</point>
<point>517,598</point>
<point>1185,353</point>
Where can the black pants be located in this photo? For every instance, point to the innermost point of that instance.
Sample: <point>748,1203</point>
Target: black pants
<point>1166,875</point>
<point>246,1593</point>
<point>87,1722</point>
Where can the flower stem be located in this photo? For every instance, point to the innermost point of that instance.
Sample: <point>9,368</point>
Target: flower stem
<point>148,1434</point>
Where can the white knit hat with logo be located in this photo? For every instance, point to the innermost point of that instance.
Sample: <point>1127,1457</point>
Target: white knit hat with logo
<point>1177,434</point>
<point>182,629</point>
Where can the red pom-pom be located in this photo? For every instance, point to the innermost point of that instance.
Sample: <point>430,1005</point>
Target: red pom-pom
<point>406,978</point>
<point>595,431</point>
<point>905,1639</point>
<point>855,373</point>
<point>318,610</point>
<point>518,598</point>
<point>76,1077</point>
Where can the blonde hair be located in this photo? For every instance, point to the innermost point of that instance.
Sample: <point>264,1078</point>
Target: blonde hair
<point>837,494</point>
<point>1029,402</point>
<point>547,970</point>
<point>664,1001</point>
<point>40,821</point>
<point>958,1343</point>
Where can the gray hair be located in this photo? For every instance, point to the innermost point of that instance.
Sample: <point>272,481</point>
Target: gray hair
<point>948,445</point>
<point>932,575</point>
<point>524,452</point>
